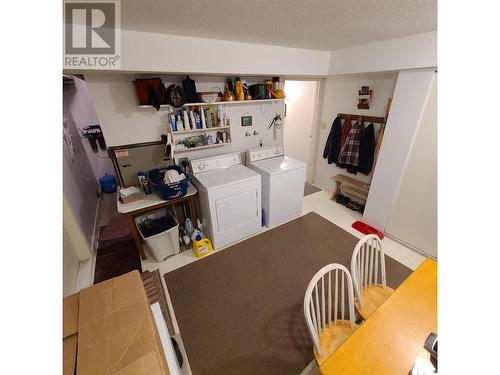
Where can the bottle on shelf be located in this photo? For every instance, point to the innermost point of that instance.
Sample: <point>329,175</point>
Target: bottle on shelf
<point>185,119</point>
<point>203,121</point>
<point>238,89</point>
<point>228,95</point>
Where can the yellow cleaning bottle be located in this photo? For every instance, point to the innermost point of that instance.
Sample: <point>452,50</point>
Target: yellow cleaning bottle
<point>202,246</point>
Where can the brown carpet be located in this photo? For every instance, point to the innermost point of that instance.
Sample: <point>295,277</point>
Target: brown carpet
<point>115,259</point>
<point>117,253</point>
<point>240,310</point>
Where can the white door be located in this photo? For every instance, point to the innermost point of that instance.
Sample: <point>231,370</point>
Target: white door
<point>413,218</point>
<point>299,120</point>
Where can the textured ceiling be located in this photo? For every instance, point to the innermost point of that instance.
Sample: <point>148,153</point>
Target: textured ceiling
<point>314,24</point>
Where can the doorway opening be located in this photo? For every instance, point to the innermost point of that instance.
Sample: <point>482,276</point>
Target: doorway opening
<point>301,107</point>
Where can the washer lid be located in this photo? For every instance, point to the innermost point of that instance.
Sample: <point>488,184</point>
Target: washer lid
<point>226,176</point>
<point>278,165</point>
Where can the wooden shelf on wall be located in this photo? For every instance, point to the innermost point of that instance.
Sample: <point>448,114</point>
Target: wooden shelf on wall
<point>349,116</point>
<point>220,128</point>
<point>263,101</point>
<point>201,147</point>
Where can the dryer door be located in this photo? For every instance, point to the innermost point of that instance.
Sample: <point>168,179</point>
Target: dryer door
<point>235,212</point>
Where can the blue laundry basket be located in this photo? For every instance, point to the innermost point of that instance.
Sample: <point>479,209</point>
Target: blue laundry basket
<point>168,191</point>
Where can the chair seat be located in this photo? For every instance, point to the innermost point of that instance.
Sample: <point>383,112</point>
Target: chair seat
<point>331,337</point>
<point>373,296</point>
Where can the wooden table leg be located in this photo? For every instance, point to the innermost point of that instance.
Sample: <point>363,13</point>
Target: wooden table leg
<point>192,208</point>
<point>336,191</point>
<point>135,236</point>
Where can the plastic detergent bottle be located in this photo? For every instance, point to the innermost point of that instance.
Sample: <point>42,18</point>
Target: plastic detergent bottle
<point>238,89</point>
<point>202,246</point>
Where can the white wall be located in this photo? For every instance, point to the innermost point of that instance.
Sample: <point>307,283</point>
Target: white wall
<point>151,52</point>
<point>412,88</point>
<point>123,122</point>
<point>412,52</point>
<point>340,95</point>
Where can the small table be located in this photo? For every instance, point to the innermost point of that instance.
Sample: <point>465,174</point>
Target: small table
<point>391,339</point>
<point>152,202</point>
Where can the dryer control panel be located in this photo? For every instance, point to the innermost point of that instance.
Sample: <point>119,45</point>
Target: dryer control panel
<point>264,153</point>
<point>222,161</point>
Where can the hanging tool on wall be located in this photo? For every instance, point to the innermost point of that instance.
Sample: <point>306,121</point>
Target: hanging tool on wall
<point>169,148</point>
<point>94,135</point>
<point>278,126</point>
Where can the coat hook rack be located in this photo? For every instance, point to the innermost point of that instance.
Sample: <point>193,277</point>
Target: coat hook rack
<point>374,119</point>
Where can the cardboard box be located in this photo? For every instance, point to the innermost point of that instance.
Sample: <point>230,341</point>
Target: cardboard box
<point>116,331</point>
<point>108,329</point>
<point>131,198</point>
<point>69,354</point>
<point>70,333</point>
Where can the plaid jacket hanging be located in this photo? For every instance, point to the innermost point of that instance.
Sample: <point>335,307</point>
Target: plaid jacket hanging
<point>349,155</point>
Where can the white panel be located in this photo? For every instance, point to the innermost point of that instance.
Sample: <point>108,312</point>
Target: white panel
<point>166,342</point>
<point>410,94</point>
<point>264,153</point>
<point>236,210</point>
<point>414,216</point>
<point>286,196</point>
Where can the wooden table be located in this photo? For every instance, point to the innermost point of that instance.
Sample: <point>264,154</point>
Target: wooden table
<point>390,340</point>
<point>153,202</point>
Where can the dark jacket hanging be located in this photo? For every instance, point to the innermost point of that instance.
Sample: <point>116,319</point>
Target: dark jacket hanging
<point>332,146</point>
<point>366,150</point>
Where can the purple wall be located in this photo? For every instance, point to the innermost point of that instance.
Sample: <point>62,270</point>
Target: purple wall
<point>79,183</point>
<point>81,107</point>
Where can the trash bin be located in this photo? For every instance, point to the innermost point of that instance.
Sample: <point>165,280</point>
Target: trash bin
<point>160,231</point>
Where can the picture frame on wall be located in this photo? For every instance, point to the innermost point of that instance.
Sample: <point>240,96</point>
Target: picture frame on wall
<point>246,120</point>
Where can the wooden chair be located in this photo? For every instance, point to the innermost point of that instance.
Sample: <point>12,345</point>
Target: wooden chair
<point>326,319</point>
<point>365,270</point>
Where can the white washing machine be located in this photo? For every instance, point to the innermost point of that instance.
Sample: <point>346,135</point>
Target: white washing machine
<point>230,198</point>
<point>283,181</point>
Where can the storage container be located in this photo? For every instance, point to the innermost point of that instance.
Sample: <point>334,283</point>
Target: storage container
<point>108,183</point>
<point>164,243</point>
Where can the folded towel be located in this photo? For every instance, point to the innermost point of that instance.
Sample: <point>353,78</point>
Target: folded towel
<point>172,176</point>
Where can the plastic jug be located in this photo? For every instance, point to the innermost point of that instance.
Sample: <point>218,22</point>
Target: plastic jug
<point>202,246</point>
<point>108,183</point>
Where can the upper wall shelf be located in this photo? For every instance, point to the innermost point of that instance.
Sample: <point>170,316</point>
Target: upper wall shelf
<point>272,101</point>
